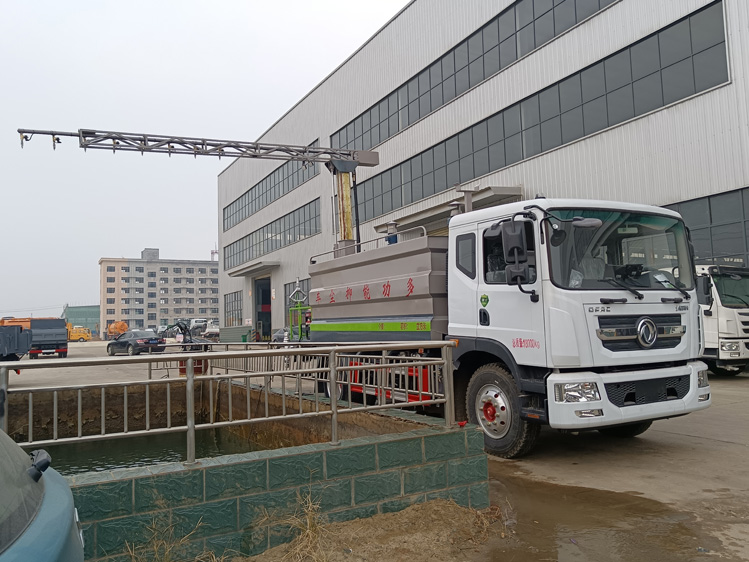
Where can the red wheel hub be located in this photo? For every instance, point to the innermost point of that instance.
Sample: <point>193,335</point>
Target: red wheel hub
<point>490,412</point>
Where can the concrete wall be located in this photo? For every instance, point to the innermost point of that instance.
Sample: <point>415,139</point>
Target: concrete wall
<point>235,504</point>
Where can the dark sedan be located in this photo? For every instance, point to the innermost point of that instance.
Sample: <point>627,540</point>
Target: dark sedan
<point>134,342</point>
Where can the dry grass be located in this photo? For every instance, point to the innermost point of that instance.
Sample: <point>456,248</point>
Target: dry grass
<point>163,546</point>
<point>310,526</point>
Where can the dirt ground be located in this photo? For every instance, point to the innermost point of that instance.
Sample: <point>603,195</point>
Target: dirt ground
<point>435,530</point>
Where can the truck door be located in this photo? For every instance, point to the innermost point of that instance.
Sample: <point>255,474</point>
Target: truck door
<point>505,314</point>
<point>463,273</point>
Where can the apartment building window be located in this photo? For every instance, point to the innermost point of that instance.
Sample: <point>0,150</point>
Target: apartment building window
<point>151,274</point>
<point>110,279</point>
<point>215,281</point>
<point>110,311</point>
<point>202,291</point>
<point>163,311</point>
<point>190,311</point>
<point>214,271</point>
<point>163,301</point>
<point>151,305</point>
<point>201,281</point>
<point>177,290</point>
<point>214,311</point>
<point>177,311</point>
<point>110,289</point>
<point>202,311</point>
<point>190,270</point>
<point>189,301</point>
<point>177,301</point>
<point>214,301</point>
<point>110,301</point>
<point>202,301</point>
<point>190,281</point>
<point>124,301</point>
<point>125,269</point>
<point>139,290</point>
<point>163,270</point>
<point>164,290</point>
<point>138,311</point>
<point>139,269</point>
<point>151,316</point>
<point>110,268</point>
<point>125,279</point>
<point>214,291</point>
<point>139,323</point>
<point>163,280</point>
<point>233,308</point>
<point>201,271</point>
<point>189,290</point>
<point>177,280</point>
<point>138,301</point>
<point>151,295</point>
<point>125,311</point>
<point>177,270</point>
<point>151,284</point>
<point>139,279</point>
<point>125,291</point>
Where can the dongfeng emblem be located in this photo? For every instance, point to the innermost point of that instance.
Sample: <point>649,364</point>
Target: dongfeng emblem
<point>484,300</point>
<point>647,332</point>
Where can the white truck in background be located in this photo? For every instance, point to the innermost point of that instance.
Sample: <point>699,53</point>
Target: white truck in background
<point>569,313</point>
<point>725,307</point>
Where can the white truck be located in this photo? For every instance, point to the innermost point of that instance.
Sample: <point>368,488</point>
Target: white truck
<point>570,313</point>
<point>725,307</point>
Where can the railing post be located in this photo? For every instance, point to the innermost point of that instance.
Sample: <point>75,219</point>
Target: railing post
<point>190,406</point>
<point>149,370</point>
<point>447,378</point>
<point>4,399</point>
<point>333,386</point>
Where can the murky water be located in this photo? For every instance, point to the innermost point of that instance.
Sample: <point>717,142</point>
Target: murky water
<point>563,523</point>
<point>74,458</point>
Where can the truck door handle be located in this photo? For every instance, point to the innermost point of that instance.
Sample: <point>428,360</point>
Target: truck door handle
<point>483,317</point>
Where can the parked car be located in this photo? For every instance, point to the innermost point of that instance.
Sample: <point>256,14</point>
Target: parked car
<point>38,520</point>
<point>134,342</point>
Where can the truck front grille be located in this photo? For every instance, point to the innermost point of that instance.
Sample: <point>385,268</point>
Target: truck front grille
<point>619,333</point>
<point>744,318</point>
<point>647,391</point>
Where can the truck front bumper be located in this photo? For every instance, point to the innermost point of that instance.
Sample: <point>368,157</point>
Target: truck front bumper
<point>626,397</point>
<point>733,351</point>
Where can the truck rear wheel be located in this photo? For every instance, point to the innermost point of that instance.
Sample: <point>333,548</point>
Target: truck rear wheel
<point>493,403</point>
<point>626,430</point>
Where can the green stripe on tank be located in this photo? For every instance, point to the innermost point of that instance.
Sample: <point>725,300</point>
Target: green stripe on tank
<point>371,327</point>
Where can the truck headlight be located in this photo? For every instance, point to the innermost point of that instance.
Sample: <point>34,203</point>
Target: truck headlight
<point>730,346</point>
<point>576,392</point>
<point>702,381</point>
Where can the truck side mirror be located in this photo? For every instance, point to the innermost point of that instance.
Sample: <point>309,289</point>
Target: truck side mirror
<point>704,293</point>
<point>514,243</point>
<point>517,274</point>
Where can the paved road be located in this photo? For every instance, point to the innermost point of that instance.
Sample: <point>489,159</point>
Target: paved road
<point>697,464</point>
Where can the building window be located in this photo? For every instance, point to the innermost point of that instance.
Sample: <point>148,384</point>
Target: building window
<point>163,301</point>
<point>139,269</point>
<point>125,279</point>
<point>163,270</point>
<point>151,316</point>
<point>110,279</point>
<point>177,290</point>
<point>201,271</point>
<point>110,268</point>
<point>177,270</point>
<point>125,291</point>
<point>110,289</point>
<point>214,271</point>
<point>124,301</point>
<point>189,280</point>
<point>655,71</point>
<point>110,311</point>
<point>214,301</point>
<point>189,290</point>
<point>190,270</point>
<point>521,28</point>
<point>177,301</point>
<point>201,281</point>
<point>138,311</point>
<point>189,301</point>
<point>164,291</point>
<point>151,295</point>
<point>125,269</point>
<point>177,280</point>
<point>163,311</point>
<point>139,290</point>
<point>202,311</point>
<point>138,301</point>
<point>125,311</point>
<point>163,280</point>
<point>214,291</point>
<point>233,309</point>
<point>139,279</point>
<point>190,311</point>
<point>110,301</point>
<point>151,284</point>
<point>151,274</point>
<point>214,311</point>
<point>278,183</point>
<point>151,305</point>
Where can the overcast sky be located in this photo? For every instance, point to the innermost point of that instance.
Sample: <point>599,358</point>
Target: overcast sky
<point>224,70</point>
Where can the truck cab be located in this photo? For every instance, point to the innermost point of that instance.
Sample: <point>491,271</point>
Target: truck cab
<point>577,314</point>
<point>726,318</point>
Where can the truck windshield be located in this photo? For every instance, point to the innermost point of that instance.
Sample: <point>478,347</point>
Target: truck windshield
<point>627,250</point>
<point>733,288</point>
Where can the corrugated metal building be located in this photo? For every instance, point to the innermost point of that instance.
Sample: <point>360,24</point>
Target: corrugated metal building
<point>86,316</point>
<point>632,100</point>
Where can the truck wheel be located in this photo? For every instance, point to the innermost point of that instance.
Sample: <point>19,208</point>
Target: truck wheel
<point>62,355</point>
<point>81,339</point>
<point>493,403</point>
<point>626,430</point>
<point>131,350</point>
<point>33,355</point>
<point>110,350</point>
<point>323,385</point>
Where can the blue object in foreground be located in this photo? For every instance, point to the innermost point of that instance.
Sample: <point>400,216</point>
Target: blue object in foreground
<point>38,520</point>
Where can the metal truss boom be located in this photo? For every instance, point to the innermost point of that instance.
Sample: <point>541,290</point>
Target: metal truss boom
<point>161,144</point>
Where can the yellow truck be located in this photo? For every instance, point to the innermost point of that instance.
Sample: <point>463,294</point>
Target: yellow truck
<point>78,333</point>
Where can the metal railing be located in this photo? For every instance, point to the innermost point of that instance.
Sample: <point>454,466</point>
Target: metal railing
<point>381,241</point>
<point>301,378</point>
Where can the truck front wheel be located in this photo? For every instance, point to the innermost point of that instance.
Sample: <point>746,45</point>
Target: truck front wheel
<point>493,403</point>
